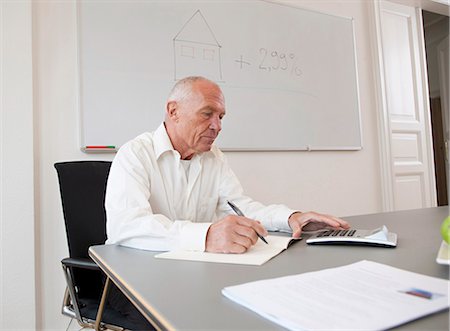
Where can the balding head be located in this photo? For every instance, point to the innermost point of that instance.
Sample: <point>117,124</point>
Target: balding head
<point>184,87</point>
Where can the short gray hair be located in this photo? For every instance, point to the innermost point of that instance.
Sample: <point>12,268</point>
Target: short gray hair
<point>183,88</point>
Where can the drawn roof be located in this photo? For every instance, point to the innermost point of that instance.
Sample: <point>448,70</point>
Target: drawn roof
<point>197,30</point>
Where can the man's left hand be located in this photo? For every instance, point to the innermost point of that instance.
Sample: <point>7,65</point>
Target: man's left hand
<point>312,221</point>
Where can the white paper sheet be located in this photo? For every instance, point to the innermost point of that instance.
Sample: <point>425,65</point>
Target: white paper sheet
<point>360,296</point>
<point>257,255</point>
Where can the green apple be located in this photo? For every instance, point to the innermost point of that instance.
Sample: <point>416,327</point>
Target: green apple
<point>445,230</point>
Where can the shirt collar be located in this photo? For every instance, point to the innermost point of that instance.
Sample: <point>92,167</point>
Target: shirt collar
<point>162,143</point>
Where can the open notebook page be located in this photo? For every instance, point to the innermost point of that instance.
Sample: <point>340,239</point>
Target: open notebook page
<point>256,255</point>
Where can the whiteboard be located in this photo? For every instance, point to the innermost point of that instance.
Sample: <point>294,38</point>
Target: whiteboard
<point>288,75</point>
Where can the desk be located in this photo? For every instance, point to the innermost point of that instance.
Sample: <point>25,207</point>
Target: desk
<point>186,295</point>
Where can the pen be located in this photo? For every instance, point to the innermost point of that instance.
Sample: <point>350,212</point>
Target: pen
<point>240,213</point>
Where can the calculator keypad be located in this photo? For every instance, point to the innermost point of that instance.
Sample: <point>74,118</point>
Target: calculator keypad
<point>340,233</point>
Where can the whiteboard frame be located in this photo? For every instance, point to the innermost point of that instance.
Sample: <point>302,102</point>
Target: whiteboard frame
<point>307,148</point>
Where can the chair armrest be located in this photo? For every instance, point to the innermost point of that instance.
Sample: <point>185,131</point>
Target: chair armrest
<point>82,263</point>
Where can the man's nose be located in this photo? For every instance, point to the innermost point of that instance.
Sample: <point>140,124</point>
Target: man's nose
<point>216,123</point>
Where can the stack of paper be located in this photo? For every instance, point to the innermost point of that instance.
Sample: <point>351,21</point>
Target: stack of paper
<point>361,296</point>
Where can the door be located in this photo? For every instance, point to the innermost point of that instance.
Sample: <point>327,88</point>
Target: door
<point>405,129</point>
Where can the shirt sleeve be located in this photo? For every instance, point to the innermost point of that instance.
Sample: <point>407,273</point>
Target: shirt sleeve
<point>274,217</point>
<point>130,218</point>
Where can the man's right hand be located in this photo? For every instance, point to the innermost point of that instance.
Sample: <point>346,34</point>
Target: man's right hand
<point>233,234</point>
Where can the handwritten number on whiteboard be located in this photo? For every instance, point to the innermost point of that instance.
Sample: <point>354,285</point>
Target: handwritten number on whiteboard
<point>279,61</point>
<point>283,60</point>
<point>262,65</point>
<point>274,55</point>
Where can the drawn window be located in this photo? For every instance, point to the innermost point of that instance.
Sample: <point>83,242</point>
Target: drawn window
<point>187,51</point>
<point>208,54</point>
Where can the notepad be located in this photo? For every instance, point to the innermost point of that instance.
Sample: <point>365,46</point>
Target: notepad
<point>259,254</point>
<point>361,296</point>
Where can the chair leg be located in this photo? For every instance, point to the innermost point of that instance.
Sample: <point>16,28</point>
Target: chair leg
<point>67,307</point>
<point>101,307</point>
<point>72,294</point>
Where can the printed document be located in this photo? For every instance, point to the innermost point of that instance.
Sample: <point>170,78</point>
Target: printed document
<point>259,254</point>
<point>360,296</point>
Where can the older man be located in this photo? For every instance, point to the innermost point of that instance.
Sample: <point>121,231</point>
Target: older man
<point>169,189</point>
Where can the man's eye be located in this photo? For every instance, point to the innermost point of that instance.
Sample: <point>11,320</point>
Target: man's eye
<point>207,114</point>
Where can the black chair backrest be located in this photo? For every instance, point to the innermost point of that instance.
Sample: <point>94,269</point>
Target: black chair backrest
<point>83,185</point>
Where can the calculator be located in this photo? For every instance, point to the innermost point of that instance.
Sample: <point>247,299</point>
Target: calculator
<point>377,237</point>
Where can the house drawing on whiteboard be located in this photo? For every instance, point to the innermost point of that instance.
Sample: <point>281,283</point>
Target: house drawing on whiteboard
<point>196,50</point>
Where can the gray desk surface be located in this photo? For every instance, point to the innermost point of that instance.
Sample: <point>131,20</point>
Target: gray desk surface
<point>187,295</point>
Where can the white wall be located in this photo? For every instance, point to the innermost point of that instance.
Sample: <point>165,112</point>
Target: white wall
<point>55,64</point>
<point>17,228</point>
<point>342,183</point>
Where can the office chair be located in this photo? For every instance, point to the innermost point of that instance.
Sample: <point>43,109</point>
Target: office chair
<point>82,187</point>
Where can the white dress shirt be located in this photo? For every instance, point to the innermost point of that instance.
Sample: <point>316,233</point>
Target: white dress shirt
<point>152,202</point>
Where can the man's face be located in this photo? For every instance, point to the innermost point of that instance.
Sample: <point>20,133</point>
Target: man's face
<point>199,117</point>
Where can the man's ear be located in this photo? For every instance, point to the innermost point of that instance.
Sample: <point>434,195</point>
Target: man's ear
<point>172,110</point>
